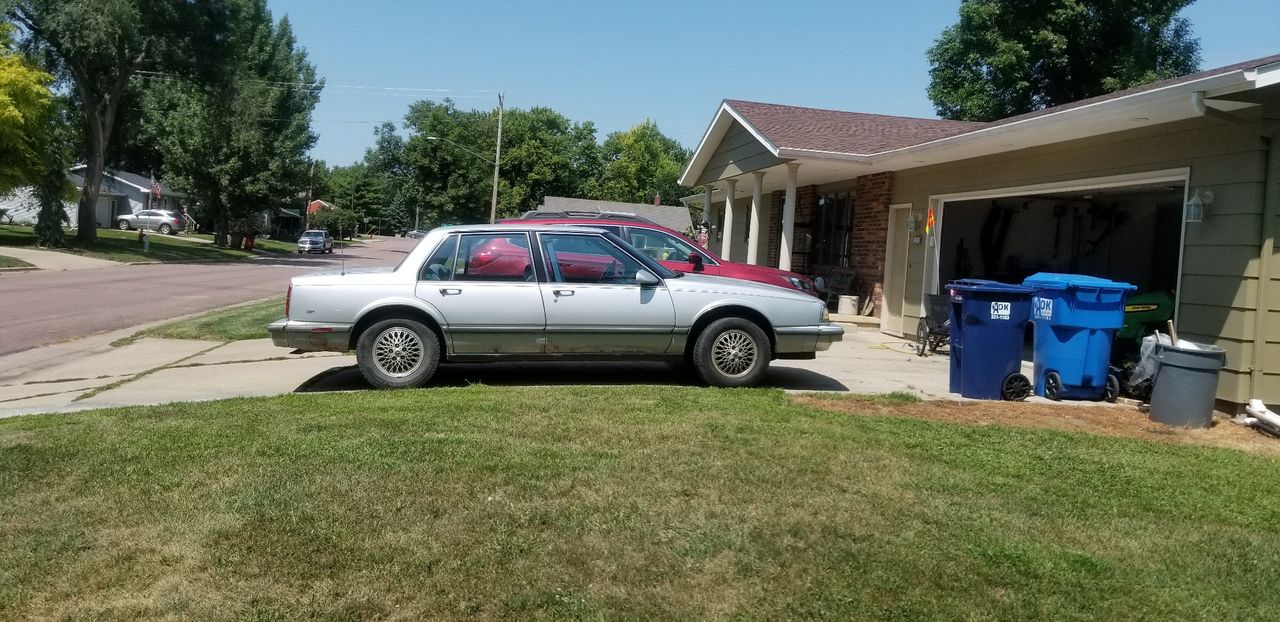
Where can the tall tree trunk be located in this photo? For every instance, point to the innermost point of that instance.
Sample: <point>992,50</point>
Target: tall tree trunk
<point>94,164</point>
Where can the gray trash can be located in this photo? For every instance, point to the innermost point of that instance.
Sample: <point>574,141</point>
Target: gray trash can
<point>1186,382</point>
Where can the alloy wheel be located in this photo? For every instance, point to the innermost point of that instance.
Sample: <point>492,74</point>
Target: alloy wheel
<point>397,352</point>
<point>734,353</point>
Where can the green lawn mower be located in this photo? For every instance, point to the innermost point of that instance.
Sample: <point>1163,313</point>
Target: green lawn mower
<point>1144,314</point>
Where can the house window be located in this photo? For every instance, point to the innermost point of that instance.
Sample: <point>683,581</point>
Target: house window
<point>832,230</point>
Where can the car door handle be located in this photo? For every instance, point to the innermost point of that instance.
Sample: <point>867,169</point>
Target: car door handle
<point>563,292</point>
<point>448,291</point>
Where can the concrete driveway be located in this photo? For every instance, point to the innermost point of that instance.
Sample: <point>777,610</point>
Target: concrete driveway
<point>91,374</point>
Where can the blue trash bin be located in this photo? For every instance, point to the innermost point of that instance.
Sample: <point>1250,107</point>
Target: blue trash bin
<point>988,320</point>
<point>1076,317</point>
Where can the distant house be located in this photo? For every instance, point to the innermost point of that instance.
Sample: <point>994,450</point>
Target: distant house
<point>122,193</point>
<point>670,216</point>
<point>119,193</point>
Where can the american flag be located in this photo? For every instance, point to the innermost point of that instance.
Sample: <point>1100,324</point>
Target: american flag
<point>155,187</point>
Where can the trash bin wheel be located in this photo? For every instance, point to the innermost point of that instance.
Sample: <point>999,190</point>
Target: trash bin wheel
<point>922,338</point>
<point>1053,386</point>
<point>1112,392</point>
<point>1015,388</point>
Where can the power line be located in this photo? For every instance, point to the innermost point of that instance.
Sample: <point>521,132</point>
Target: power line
<point>318,86</point>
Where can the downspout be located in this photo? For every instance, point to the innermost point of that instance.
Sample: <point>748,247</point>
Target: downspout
<point>1270,212</point>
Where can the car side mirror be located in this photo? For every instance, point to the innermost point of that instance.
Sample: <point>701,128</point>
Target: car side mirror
<point>646,278</point>
<point>696,260</point>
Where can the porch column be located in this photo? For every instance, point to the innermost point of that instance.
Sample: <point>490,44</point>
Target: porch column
<point>730,185</point>
<point>788,218</point>
<point>757,215</point>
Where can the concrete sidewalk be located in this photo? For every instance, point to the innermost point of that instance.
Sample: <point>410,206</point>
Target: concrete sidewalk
<point>55,260</point>
<point>90,373</point>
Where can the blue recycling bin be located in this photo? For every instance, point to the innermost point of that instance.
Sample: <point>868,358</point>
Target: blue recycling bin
<point>988,320</point>
<point>1076,317</point>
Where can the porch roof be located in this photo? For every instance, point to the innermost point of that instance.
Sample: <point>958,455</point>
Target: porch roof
<point>850,144</point>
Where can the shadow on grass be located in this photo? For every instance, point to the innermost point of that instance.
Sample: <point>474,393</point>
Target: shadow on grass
<point>576,373</point>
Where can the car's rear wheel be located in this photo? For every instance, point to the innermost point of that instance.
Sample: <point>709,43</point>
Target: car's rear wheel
<point>165,229</point>
<point>122,224</point>
<point>732,352</point>
<point>398,353</point>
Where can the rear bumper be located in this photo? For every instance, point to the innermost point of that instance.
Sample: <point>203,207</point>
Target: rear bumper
<point>818,338</point>
<point>310,336</point>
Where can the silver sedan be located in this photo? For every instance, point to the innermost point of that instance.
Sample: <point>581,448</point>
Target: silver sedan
<point>484,293</point>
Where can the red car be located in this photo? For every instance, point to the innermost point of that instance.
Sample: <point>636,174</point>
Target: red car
<point>672,249</point>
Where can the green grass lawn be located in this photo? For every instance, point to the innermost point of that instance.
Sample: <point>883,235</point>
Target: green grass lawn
<point>620,503</point>
<point>12,262</point>
<point>123,246</point>
<point>233,324</point>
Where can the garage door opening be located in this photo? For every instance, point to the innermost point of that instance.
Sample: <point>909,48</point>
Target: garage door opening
<point>1130,233</point>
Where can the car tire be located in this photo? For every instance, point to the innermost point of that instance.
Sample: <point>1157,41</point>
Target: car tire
<point>398,353</point>
<point>732,352</point>
<point>122,225</point>
<point>165,230</point>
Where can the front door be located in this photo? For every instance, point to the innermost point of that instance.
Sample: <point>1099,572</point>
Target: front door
<point>593,302</point>
<point>483,285</point>
<point>897,245</point>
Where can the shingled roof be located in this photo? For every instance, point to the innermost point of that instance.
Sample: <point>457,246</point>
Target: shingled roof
<point>835,131</point>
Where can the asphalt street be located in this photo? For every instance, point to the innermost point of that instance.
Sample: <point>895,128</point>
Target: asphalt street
<point>43,307</point>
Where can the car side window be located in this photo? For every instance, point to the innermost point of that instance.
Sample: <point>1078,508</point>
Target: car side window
<point>587,259</point>
<point>661,246</point>
<point>439,267</point>
<point>494,257</point>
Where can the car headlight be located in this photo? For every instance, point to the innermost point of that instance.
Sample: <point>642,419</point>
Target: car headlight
<point>826,315</point>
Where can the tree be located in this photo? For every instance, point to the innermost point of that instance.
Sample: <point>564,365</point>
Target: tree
<point>1008,57</point>
<point>640,163</point>
<point>238,146</point>
<point>101,44</point>
<point>25,110</point>
<point>543,152</point>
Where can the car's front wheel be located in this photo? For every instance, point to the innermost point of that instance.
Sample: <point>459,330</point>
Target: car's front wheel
<point>398,353</point>
<point>122,224</point>
<point>732,352</point>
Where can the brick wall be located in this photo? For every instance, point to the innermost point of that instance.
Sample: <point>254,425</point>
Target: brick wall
<point>871,199</point>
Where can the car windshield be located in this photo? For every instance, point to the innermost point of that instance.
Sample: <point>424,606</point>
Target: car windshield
<point>313,234</point>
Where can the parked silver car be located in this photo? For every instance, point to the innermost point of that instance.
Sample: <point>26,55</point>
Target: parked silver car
<point>483,293</point>
<point>315,241</point>
<point>163,221</point>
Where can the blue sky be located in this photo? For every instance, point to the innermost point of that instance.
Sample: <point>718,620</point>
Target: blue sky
<point>618,63</point>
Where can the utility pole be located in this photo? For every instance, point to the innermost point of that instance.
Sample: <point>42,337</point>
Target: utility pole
<point>497,157</point>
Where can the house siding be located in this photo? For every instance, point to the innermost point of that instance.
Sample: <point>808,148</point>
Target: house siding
<point>1220,276</point>
<point>739,152</point>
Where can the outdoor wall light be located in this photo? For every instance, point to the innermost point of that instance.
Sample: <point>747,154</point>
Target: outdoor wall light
<point>913,224</point>
<point>1196,205</point>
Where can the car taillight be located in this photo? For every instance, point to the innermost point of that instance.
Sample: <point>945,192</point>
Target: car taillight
<point>288,297</point>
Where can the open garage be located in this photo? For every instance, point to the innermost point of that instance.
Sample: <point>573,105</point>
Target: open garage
<point>1128,233</point>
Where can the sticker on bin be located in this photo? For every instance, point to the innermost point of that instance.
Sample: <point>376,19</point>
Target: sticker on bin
<point>1001,310</point>
<point>1043,308</point>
